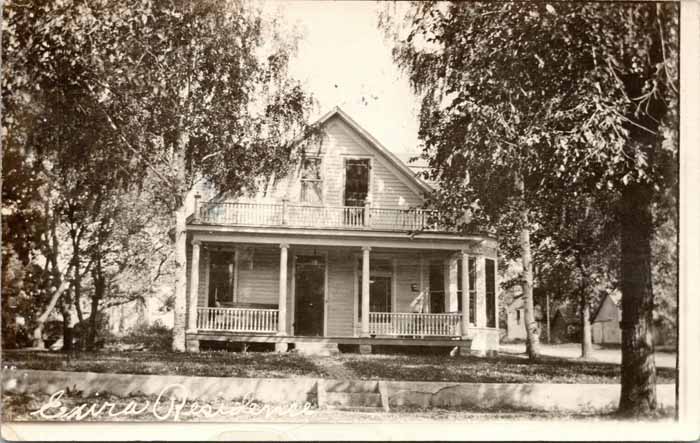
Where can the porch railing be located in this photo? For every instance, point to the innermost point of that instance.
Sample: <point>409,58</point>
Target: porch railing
<point>414,324</point>
<point>237,319</point>
<point>305,216</point>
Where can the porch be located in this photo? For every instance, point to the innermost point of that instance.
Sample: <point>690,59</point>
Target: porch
<point>381,324</point>
<point>297,292</point>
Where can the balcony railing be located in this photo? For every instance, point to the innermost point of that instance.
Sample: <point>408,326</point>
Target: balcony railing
<point>414,324</point>
<point>237,319</point>
<point>304,216</point>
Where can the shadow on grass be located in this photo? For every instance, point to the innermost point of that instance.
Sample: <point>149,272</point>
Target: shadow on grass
<point>501,369</point>
<point>211,363</point>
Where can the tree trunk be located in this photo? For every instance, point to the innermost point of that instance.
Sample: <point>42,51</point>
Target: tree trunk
<point>532,338</point>
<point>586,342</point>
<point>180,307</point>
<point>38,333</point>
<point>67,326</point>
<point>638,390</point>
<point>77,283</point>
<point>95,305</point>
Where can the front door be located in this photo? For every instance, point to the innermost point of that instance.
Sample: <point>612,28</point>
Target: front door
<point>309,294</point>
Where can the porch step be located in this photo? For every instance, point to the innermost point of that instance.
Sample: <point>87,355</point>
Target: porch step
<point>351,387</point>
<point>353,400</point>
<point>311,348</point>
<point>352,395</point>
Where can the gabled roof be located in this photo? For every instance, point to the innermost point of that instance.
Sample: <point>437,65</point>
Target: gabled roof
<point>374,143</point>
<point>567,312</point>
<point>607,310</point>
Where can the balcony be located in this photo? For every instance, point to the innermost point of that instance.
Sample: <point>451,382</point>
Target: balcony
<point>304,216</point>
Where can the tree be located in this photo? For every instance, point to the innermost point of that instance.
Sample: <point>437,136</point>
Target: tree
<point>578,256</point>
<point>519,94</point>
<point>186,90</point>
<point>191,95</point>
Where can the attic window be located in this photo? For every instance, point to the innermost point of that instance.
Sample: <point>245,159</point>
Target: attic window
<point>311,181</point>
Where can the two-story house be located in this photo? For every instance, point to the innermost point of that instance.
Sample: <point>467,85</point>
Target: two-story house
<point>339,251</point>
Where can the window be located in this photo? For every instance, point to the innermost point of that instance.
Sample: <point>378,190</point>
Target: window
<point>311,181</point>
<point>472,289</point>
<point>221,278</point>
<point>518,313</point>
<point>380,275</point>
<point>471,264</point>
<point>436,281</point>
<point>490,293</point>
<point>356,182</point>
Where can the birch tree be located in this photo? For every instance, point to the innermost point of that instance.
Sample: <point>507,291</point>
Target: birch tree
<point>187,91</point>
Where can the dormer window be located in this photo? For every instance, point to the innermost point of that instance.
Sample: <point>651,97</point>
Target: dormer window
<point>311,181</point>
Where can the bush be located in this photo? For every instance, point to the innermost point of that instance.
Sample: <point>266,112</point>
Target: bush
<point>155,337</point>
<point>81,332</point>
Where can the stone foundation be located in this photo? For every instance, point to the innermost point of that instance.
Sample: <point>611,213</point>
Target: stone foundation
<point>365,349</point>
<point>192,345</point>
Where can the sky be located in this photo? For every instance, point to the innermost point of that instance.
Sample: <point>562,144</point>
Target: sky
<point>344,60</point>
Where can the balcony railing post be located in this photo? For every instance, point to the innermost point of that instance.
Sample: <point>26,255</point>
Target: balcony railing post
<point>367,219</point>
<point>285,209</point>
<point>196,207</point>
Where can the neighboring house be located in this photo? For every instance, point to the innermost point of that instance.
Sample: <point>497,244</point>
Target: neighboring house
<point>338,252</point>
<point>515,319</point>
<point>605,327</point>
<point>565,324</point>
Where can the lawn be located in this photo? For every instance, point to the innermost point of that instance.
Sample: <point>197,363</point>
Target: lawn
<point>500,369</point>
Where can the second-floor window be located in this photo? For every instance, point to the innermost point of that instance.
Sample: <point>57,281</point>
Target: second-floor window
<point>311,181</point>
<point>356,181</point>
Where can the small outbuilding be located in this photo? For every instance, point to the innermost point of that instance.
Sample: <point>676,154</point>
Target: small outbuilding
<point>515,319</point>
<point>566,325</point>
<point>605,327</point>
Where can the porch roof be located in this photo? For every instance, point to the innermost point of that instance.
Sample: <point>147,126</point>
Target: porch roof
<point>338,237</point>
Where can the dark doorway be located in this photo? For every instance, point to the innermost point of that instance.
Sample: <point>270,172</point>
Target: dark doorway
<point>309,292</point>
<point>221,278</point>
<point>437,286</point>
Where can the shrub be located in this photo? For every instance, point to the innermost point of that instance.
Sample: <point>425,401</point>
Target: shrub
<point>156,337</point>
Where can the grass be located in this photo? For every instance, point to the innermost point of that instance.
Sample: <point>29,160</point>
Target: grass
<point>501,369</point>
<point>212,364</point>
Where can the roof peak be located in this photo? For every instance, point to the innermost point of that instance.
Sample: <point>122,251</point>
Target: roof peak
<point>390,156</point>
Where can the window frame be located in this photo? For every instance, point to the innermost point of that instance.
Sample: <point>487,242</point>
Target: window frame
<point>388,272</point>
<point>233,275</point>
<point>370,178</point>
<point>490,293</point>
<point>304,181</point>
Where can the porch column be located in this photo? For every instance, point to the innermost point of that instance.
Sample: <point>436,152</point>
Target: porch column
<point>452,305</point>
<point>480,292</point>
<point>282,302</point>
<point>465,293</point>
<point>194,288</point>
<point>365,291</point>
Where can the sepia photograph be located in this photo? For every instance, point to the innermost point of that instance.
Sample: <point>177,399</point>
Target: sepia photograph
<point>238,219</point>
